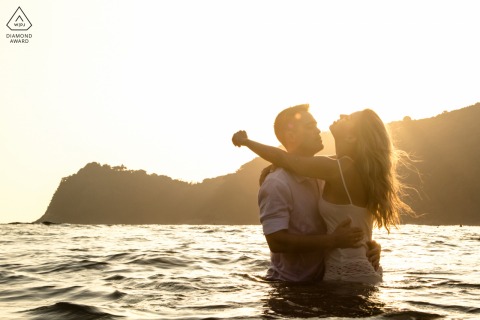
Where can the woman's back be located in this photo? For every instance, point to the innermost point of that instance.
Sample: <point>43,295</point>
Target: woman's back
<point>335,190</point>
<point>349,264</point>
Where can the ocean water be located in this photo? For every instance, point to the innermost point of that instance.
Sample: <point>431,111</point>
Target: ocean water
<point>216,272</point>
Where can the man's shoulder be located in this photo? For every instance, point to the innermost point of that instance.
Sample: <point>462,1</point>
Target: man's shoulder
<point>279,175</point>
<point>286,176</point>
<point>279,179</point>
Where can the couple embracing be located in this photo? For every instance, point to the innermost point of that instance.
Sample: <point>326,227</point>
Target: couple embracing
<point>317,212</point>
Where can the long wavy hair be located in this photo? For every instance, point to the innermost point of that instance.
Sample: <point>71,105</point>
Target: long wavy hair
<point>377,162</point>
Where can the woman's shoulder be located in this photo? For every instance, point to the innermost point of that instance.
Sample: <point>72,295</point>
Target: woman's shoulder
<point>346,163</point>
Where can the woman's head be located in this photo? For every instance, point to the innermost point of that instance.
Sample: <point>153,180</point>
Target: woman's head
<point>363,136</point>
<point>362,130</point>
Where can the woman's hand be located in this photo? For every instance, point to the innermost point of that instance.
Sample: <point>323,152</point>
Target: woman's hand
<point>240,138</point>
<point>373,253</point>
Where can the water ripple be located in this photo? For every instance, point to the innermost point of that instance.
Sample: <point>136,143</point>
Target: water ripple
<point>68,310</point>
<point>217,272</point>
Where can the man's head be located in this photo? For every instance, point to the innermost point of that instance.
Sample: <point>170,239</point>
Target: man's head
<point>297,130</point>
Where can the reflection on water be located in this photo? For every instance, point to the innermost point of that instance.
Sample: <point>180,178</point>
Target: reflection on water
<point>333,299</point>
<point>217,272</point>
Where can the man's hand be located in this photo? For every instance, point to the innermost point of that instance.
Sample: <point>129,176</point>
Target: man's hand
<point>373,253</point>
<point>346,236</point>
<point>240,138</point>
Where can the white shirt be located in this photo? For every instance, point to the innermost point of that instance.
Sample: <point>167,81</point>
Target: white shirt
<point>290,202</point>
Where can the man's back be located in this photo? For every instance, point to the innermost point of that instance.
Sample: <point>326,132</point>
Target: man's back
<point>290,202</point>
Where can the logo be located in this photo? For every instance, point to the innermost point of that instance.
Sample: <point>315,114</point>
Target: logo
<point>19,21</point>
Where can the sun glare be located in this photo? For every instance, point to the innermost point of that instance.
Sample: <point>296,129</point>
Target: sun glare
<point>150,105</point>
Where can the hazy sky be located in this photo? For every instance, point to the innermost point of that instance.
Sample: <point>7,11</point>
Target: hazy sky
<point>162,85</point>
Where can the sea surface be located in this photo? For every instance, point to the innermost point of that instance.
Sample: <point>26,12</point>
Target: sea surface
<point>216,272</point>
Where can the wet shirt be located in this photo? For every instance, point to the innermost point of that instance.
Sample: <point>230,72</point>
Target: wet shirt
<point>290,202</point>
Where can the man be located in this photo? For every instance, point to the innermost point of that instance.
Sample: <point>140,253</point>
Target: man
<point>293,228</point>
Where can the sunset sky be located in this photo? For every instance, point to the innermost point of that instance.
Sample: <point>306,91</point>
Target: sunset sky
<point>162,85</point>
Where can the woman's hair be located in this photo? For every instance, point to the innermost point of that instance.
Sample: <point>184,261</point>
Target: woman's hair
<point>377,161</point>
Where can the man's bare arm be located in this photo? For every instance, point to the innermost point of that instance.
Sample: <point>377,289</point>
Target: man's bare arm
<point>344,236</point>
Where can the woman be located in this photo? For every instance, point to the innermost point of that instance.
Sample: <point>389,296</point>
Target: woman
<point>360,182</point>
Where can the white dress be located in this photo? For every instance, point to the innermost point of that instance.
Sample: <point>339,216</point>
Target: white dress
<point>349,264</point>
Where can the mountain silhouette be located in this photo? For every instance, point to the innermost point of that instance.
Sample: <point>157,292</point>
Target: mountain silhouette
<point>445,147</point>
